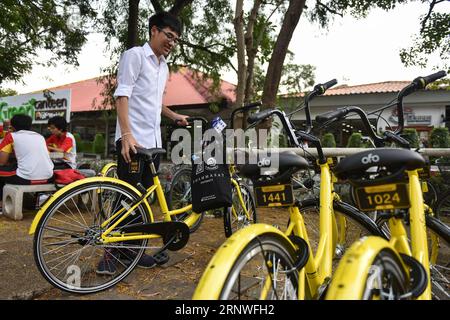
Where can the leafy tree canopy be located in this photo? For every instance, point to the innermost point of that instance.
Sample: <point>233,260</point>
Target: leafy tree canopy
<point>27,26</point>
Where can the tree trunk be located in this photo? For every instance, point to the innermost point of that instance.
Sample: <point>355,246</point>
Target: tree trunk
<point>273,75</point>
<point>240,40</point>
<point>133,16</point>
<point>251,51</point>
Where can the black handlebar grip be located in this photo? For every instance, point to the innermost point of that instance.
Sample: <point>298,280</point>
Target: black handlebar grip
<point>321,88</point>
<point>192,119</point>
<point>252,105</point>
<point>422,82</point>
<point>322,118</point>
<point>259,116</point>
<point>392,137</point>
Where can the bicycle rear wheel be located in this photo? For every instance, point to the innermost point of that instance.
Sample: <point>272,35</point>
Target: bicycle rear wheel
<point>67,244</point>
<point>234,217</point>
<point>180,196</point>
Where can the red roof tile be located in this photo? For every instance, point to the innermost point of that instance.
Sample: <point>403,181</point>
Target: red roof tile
<point>381,87</point>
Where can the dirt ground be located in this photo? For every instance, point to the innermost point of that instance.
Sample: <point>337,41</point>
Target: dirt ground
<point>176,280</point>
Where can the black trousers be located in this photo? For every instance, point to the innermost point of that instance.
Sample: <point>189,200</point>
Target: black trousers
<point>136,172</point>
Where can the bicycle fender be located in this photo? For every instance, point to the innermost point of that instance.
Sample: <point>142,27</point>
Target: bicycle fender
<point>226,255</point>
<point>106,167</point>
<point>75,184</point>
<point>357,261</point>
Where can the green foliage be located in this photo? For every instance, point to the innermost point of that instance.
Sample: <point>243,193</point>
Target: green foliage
<point>207,45</point>
<point>328,140</point>
<point>296,78</point>
<point>440,138</point>
<point>432,38</point>
<point>58,26</point>
<point>87,146</point>
<point>78,141</point>
<point>412,136</point>
<point>99,144</point>
<point>7,92</point>
<point>355,141</point>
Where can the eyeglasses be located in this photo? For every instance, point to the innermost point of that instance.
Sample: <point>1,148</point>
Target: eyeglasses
<point>170,36</point>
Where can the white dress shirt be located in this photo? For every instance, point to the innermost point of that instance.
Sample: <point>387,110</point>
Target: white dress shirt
<point>142,79</point>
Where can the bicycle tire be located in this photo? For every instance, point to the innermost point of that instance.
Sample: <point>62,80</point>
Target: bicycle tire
<point>442,208</point>
<point>236,220</point>
<point>179,196</point>
<point>75,227</point>
<point>365,274</point>
<point>439,246</point>
<point>281,257</point>
<point>109,170</point>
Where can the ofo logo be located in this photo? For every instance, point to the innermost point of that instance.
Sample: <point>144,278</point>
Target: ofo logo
<point>370,158</point>
<point>264,163</point>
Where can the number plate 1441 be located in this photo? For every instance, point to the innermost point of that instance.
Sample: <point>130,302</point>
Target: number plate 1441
<point>274,196</point>
<point>384,197</point>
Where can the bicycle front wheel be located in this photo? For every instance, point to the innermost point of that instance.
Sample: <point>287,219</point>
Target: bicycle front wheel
<point>68,248</point>
<point>180,196</point>
<point>235,217</point>
<point>369,273</point>
<point>256,262</point>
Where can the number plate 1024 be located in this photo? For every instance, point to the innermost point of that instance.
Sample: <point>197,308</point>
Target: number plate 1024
<point>274,196</point>
<point>384,197</point>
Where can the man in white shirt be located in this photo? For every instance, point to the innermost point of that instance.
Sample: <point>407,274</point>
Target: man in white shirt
<point>141,81</point>
<point>33,165</point>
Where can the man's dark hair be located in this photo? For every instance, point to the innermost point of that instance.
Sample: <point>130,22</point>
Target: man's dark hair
<point>21,122</point>
<point>59,123</point>
<point>165,19</point>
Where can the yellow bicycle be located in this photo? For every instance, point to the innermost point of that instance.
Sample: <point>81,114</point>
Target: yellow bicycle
<point>375,268</point>
<point>262,262</point>
<point>114,220</point>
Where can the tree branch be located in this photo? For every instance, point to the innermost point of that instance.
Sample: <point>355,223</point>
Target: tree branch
<point>206,49</point>
<point>327,8</point>
<point>157,6</point>
<point>430,11</point>
<point>179,6</point>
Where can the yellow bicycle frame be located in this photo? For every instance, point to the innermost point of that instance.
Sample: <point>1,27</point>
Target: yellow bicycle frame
<point>108,236</point>
<point>317,269</point>
<point>363,253</point>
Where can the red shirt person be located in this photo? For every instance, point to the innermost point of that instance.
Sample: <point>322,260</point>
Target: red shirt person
<point>34,165</point>
<point>62,141</point>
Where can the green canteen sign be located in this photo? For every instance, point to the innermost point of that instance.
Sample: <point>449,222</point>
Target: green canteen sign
<point>39,106</point>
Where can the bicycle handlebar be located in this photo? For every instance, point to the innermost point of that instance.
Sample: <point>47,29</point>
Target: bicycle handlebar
<point>318,90</point>
<point>422,82</point>
<point>259,116</point>
<point>416,84</point>
<point>332,115</point>
<point>245,108</point>
<point>321,88</point>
